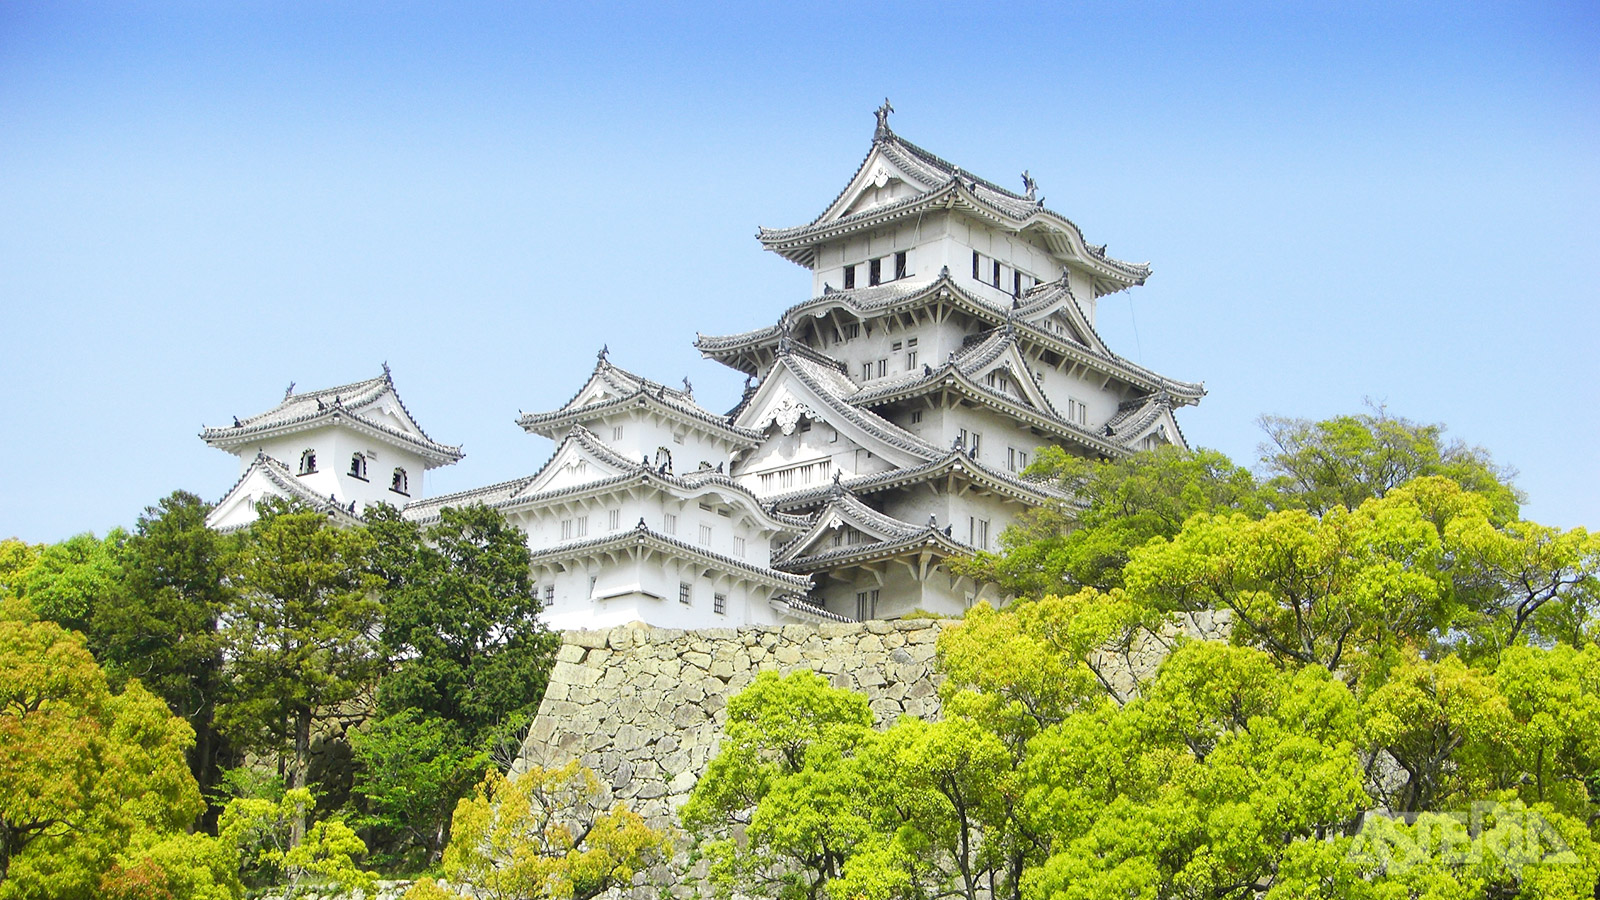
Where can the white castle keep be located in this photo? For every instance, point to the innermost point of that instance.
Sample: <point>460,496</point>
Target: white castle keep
<point>882,430</point>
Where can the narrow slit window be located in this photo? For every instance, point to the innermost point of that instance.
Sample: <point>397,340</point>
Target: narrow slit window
<point>849,278</point>
<point>976,261</point>
<point>995,273</point>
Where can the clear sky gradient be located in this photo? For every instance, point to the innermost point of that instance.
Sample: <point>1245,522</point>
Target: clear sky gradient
<point>201,202</point>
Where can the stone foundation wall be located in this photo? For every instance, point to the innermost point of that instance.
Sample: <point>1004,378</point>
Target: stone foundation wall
<point>644,707</point>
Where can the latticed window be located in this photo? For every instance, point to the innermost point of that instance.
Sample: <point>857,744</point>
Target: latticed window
<point>685,592</point>
<point>719,604</point>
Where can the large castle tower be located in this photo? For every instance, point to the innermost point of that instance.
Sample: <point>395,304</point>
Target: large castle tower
<point>950,333</point>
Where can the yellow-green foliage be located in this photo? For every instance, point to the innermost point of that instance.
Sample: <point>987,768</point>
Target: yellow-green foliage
<point>543,834</point>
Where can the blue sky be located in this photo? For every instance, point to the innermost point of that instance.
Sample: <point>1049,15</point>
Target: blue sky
<point>203,202</point>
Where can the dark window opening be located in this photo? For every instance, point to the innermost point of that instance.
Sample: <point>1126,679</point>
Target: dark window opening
<point>1016,283</point>
<point>995,280</point>
<point>308,462</point>
<point>358,466</point>
<point>900,264</point>
<point>874,272</point>
<point>975,260</point>
<point>849,277</point>
<point>398,483</point>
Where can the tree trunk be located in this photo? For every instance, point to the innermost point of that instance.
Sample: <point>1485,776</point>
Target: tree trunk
<point>300,769</point>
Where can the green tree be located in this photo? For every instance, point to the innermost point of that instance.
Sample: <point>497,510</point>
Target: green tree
<point>782,776</point>
<point>16,558</point>
<point>71,580</point>
<point>1347,460</point>
<point>543,834</point>
<point>1118,506</point>
<point>164,627</point>
<point>301,632</point>
<point>265,833</point>
<point>92,782</point>
<point>470,663</point>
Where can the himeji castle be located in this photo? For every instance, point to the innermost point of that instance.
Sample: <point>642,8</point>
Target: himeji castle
<point>883,429</point>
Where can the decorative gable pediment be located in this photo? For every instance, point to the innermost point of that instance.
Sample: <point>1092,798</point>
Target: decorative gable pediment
<point>574,463</point>
<point>879,181</point>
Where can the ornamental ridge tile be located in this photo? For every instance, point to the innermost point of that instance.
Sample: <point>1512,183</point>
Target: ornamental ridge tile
<point>861,552</point>
<point>1038,491</point>
<point>852,511</point>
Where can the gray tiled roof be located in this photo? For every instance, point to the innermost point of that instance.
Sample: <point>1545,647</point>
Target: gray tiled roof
<point>943,182</point>
<point>347,401</point>
<point>1035,491</point>
<point>642,534</point>
<point>874,301</point>
<point>285,480</point>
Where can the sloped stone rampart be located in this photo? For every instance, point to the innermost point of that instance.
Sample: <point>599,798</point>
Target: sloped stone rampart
<point>644,707</point>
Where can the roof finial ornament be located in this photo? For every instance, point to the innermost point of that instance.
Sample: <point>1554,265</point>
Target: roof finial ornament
<point>688,389</point>
<point>785,341</point>
<point>288,391</point>
<point>882,113</point>
<point>747,380</point>
<point>386,375</point>
<point>604,350</point>
<point>1030,188</point>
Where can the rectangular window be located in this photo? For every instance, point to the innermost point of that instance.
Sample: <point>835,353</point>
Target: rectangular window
<point>866,605</point>
<point>566,529</point>
<point>916,416</point>
<point>614,519</point>
<point>549,594</point>
<point>583,526</point>
<point>852,330</point>
<point>874,272</point>
<point>786,479</point>
<point>995,277</point>
<point>1016,283</point>
<point>849,277</point>
<point>866,371</point>
<point>685,592</point>
<point>738,547</point>
<point>1016,459</point>
<point>978,532</point>
<point>911,342</point>
<point>976,445</point>
<point>895,346</point>
<point>911,360</point>
<point>616,432</point>
<point>669,523</point>
<point>900,264</point>
<point>883,367</point>
<point>705,535</point>
<point>976,260</point>
<point>719,604</point>
<point>767,479</point>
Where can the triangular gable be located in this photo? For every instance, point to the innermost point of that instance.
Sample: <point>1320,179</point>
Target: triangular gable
<point>386,409</point>
<point>846,522</point>
<point>873,184</point>
<point>1018,383</point>
<point>1158,428</point>
<point>786,398</point>
<point>264,479</point>
<point>1062,316</point>
<point>576,461</point>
